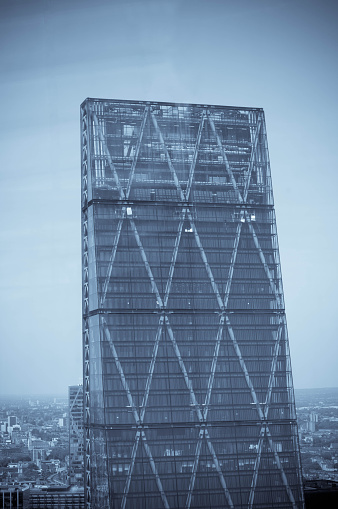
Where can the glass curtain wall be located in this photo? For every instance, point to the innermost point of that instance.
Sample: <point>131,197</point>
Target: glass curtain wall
<point>76,445</point>
<point>187,379</point>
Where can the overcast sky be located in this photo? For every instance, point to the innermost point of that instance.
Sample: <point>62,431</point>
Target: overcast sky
<point>277,54</point>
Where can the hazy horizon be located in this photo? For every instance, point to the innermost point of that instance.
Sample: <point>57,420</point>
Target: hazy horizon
<point>65,395</point>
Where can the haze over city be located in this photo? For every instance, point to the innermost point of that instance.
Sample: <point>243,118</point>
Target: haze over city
<point>279,55</point>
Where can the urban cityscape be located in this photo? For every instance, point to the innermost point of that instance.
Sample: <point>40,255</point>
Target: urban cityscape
<point>182,303</point>
<point>168,299</point>
<point>39,458</point>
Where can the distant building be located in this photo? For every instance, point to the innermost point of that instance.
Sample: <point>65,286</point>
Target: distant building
<point>62,423</point>
<point>311,426</point>
<point>57,498</point>
<point>14,496</point>
<point>12,420</point>
<point>187,378</point>
<point>12,424</point>
<point>76,447</point>
<point>19,437</point>
<point>38,449</point>
<point>50,466</point>
<point>312,422</point>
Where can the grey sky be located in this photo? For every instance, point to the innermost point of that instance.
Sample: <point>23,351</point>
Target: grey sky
<point>279,55</point>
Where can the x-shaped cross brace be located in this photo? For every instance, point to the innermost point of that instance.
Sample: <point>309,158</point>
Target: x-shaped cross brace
<point>163,303</point>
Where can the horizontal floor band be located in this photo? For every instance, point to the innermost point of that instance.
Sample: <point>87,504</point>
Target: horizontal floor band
<point>189,425</point>
<point>168,311</point>
<point>178,203</point>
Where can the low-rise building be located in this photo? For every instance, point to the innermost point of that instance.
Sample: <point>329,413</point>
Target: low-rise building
<point>57,498</point>
<point>14,496</point>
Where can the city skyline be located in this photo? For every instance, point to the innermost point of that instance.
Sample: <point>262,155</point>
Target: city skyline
<point>283,61</point>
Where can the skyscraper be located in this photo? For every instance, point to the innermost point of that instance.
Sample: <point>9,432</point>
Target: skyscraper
<point>76,444</point>
<point>187,378</point>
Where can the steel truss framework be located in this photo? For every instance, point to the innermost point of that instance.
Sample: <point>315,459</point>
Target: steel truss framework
<point>132,155</point>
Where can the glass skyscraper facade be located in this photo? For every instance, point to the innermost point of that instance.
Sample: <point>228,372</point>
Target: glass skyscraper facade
<point>188,389</point>
<point>76,444</point>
